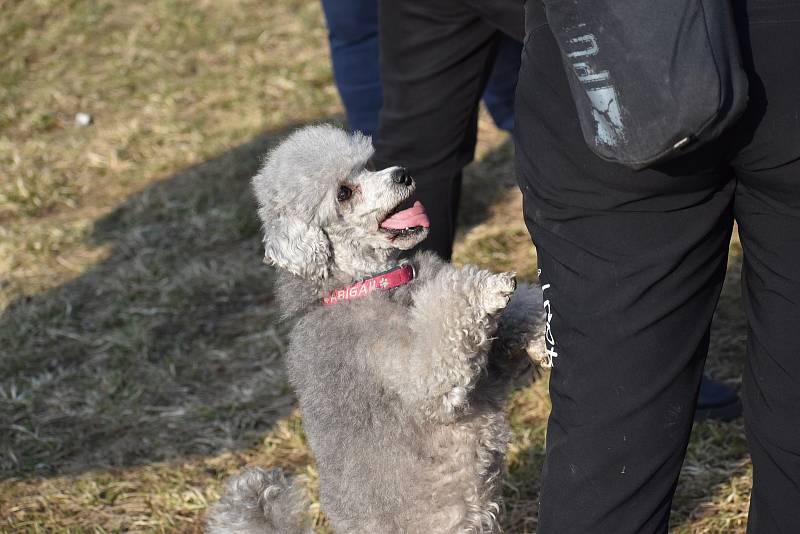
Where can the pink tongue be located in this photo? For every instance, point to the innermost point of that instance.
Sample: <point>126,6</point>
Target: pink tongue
<point>413,216</point>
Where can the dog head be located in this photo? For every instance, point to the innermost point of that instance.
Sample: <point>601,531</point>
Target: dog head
<point>320,204</point>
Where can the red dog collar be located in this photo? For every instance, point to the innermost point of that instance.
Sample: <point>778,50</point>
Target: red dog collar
<point>393,278</point>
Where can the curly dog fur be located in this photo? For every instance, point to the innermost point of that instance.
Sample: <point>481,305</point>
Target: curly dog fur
<point>402,392</point>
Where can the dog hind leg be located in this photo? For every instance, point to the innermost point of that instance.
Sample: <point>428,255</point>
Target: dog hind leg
<point>257,501</point>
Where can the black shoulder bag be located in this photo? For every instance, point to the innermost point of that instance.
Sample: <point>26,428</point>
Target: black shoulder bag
<point>651,79</point>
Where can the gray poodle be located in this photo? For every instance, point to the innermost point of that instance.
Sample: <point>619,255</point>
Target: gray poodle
<point>401,376</point>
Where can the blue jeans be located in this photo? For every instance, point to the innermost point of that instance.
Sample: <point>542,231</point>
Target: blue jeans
<point>353,36</point>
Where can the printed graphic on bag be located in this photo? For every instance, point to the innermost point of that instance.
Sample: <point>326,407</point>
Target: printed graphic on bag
<point>602,95</point>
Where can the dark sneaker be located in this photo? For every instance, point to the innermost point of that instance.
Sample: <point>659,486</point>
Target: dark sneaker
<point>716,401</point>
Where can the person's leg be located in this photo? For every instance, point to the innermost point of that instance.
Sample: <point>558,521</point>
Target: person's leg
<point>632,264</point>
<point>767,208</point>
<point>768,211</point>
<point>499,93</point>
<point>435,59</point>
<point>353,36</point>
<point>715,400</point>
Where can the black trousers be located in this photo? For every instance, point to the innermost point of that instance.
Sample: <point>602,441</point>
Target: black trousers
<point>632,265</point>
<point>436,57</point>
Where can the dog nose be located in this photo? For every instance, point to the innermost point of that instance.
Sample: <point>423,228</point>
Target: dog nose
<point>402,176</point>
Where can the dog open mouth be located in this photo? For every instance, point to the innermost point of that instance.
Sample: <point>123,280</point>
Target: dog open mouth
<point>407,222</point>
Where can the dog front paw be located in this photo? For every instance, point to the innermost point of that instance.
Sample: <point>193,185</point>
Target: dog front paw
<point>497,290</point>
<point>537,351</point>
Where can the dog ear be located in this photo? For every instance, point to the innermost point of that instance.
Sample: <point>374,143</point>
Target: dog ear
<point>297,247</point>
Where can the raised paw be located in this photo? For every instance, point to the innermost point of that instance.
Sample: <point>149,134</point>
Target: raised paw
<point>537,352</point>
<point>497,290</point>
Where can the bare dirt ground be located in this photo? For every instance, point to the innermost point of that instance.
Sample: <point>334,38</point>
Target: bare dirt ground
<point>140,349</point>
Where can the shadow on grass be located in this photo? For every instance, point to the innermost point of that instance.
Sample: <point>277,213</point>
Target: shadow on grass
<point>485,183</point>
<point>168,347</point>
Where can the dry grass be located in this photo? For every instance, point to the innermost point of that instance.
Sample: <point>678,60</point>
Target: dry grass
<point>139,347</point>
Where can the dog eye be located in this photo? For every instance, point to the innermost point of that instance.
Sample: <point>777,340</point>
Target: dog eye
<point>344,193</point>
